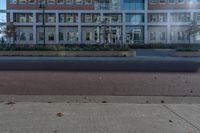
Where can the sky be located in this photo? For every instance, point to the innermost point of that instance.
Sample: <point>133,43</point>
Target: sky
<point>2,6</point>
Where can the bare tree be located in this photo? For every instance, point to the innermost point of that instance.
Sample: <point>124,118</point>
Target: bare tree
<point>193,29</point>
<point>10,31</point>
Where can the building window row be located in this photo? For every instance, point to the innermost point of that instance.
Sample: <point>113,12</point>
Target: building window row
<point>109,18</point>
<point>50,2</point>
<point>174,1</point>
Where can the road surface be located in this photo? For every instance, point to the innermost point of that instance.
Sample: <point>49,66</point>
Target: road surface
<point>99,76</point>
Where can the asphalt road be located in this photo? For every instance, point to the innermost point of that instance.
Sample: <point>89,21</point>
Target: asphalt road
<point>103,65</point>
<point>102,76</point>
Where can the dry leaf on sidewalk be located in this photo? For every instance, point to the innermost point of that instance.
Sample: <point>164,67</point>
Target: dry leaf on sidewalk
<point>60,114</point>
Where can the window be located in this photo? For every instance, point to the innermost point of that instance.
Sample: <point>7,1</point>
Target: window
<point>153,1</point>
<point>42,2</point>
<point>69,1</point>
<point>13,1</point>
<point>51,18</point>
<point>61,36</point>
<point>162,1</point>
<point>40,18</point>
<point>41,36</point>
<point>30,18</point>
<point>70,18</point>
<point>180,36</point>
<point>162,36</point>
<point>51,1</point>
<point>71,36</point>
<point>22,1</point>
<point>88,1</point>
<point>172,1</point>
<point>30,36</point>
<point>62,18</point>
<point>180,1</point>
<point>78,1</point>
<point>96,18</point>
<point>171,35</point>
<point>198,17</point>
<point>31,1</point>
<point>22,18</point>
<point>153,36</point>
<point>135,18</point>
<point>60,2</point>
<point>22,36</point>
<point>88,36</point>
<point>88,18</point>
<point>180,17</point>
<point>133,4</point>
<point>51,36</point>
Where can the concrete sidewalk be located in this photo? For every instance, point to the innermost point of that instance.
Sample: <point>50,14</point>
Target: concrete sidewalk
<point>28,117</point>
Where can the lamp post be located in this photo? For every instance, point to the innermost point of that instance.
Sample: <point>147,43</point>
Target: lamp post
<point>42,6</point>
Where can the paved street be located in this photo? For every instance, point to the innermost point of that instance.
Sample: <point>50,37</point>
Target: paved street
<point>138,64</point>
<point>99,118</point>
<point>99,76</point>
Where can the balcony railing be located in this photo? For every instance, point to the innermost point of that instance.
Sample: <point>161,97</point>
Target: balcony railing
<point>107,6</point>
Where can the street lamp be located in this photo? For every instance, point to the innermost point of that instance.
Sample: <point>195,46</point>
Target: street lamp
<point>42,6</point>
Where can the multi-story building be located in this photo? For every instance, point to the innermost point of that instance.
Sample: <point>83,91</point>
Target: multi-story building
<point>103,21</point>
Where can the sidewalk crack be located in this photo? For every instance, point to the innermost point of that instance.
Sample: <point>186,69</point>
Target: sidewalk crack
<point>187,121</point>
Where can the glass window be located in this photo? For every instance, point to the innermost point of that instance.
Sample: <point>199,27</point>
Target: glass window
<point>133,4</point>
<point>172,1</point>
<point>180,1</point>
<point>88,18</point>
<point>22,18</point>
<point>70,18</point>
<point>135,18</point>
<point>78,1</point>
<point>13,1</point>
<point>69,1</point>
<point>51,36</point>
<point>51,1</point>
<point>42,2</point>
<point>30,18</point>
<point>22,1</point>
<point>162,36</point>
<point>62,18</point>
<point>162,1</point>
<point>88,36</point>
<point>60,2</point>
<point>61,36</point>
<point>152,35</point>
<point>88,1</point>
<point>30,36</point>
<point>22,36</point>
<point>51,18</point>
<point>172,35</point>
<point>152,1</point>
<point>181,36</point>
<point>41,36</point>
<point>72,36</point>
<point>31,1</point>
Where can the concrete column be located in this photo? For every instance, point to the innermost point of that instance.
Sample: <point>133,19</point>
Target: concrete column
<point>124,28</point>
<point>146,22</point>
<point>57,28</point>
<point>79,28</point>
<point>11,20</point>
<point>34,29</point>
<point>101,29</point>
<point>146,28</point>
<point>168,28</point>
<point>192,39</point>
